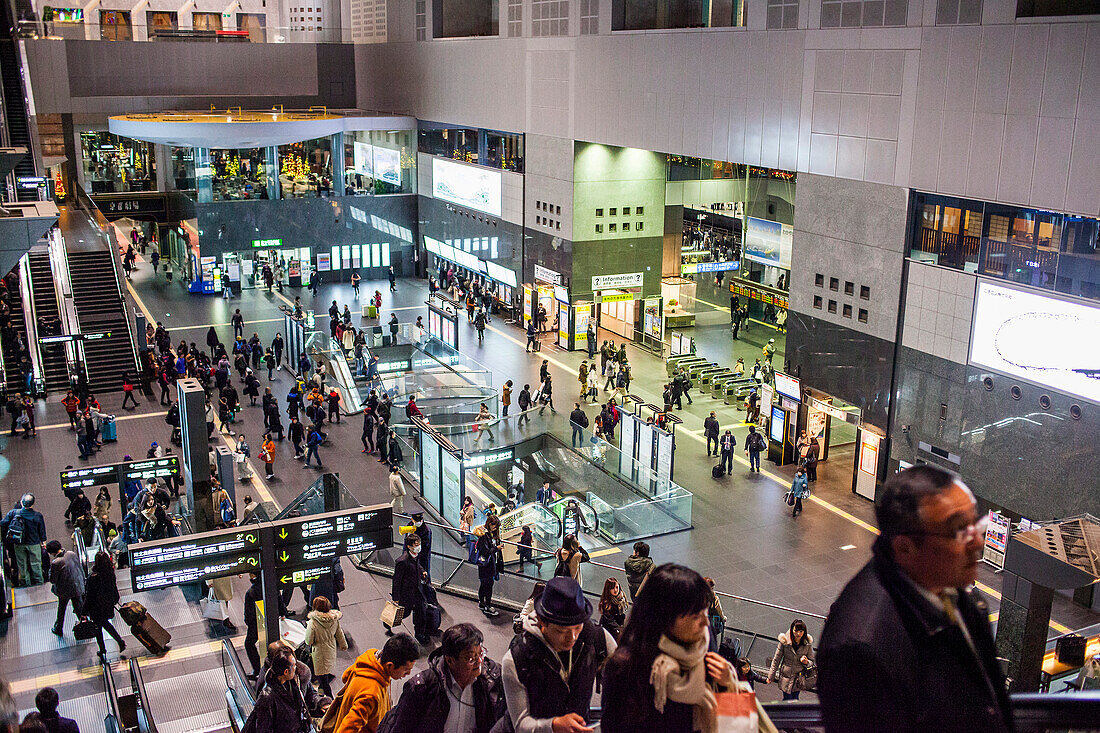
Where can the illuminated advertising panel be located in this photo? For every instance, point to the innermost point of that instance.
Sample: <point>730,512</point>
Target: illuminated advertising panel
<point>768,242</point>
<point>387,165</point>
<point>466,185</point>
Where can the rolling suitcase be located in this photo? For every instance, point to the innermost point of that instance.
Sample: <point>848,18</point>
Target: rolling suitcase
<point>109,432</point>
<point>433,617</point>
<point>144,627</point>
<point>717,471</point>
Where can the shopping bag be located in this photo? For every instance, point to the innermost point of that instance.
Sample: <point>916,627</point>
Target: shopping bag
<point>392,614</point>
<point>789,498</point>
<point>212,608</point>
<point>737,712</point>
<point>292,631</point>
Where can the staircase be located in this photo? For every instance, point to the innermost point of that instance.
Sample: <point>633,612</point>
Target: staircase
<point>14,381</point>
<point>15,113</point>
<point>101,308</point>
<point>44,296</point>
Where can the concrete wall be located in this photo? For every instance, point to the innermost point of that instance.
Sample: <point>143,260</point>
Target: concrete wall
<point>1004,111</point>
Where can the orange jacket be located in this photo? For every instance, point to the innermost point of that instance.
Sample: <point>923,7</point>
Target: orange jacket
<point>366,695</point>
<point>268,447</point>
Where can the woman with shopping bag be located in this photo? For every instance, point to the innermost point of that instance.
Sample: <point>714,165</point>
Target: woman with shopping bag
<point>661,675</point>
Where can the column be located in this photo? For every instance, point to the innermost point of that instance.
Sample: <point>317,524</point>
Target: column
<point>196,452</point>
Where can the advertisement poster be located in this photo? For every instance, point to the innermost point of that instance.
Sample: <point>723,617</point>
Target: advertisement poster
<point>778,423</point>
<point>452,488</point>
<point>768,242</point>
<point>233,270</point>
<point>362,159</point>
<point>387,165</point>
<point>654,323</point>
<point>465,185</point>
<point>324,262</point>
<point>815,424</point>
<point>429,472</point>
<point>1037,338</point>
<point>996,539</point>
<point>580,326</point>
<point>645,453</point>
<point>665,445</point>
<point>563,325</point>
<point>627,436</point>
<point>868,455</point>
<point>526,304</point>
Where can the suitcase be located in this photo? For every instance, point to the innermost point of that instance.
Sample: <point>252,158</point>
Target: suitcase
<point>730,649</point>
<point>718,471</point>
<point>108,431</point>
<point>132,612</point>
<point>151,634</point>
<point>1070,650</point>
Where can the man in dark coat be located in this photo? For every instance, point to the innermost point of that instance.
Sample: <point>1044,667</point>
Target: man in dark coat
<point>458,670</point>
<point>408,586</point>
<point>280,707</point>
<point>907,647</point>
<point>67,577</point>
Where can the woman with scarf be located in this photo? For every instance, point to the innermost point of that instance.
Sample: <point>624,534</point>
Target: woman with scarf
<point>661,676</point>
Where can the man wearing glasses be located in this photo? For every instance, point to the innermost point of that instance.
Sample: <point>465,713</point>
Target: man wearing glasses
<point>460,691</point>
<point>907,646</point>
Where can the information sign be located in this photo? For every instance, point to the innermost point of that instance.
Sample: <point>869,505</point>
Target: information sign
<point>348,522</point>
<point>328,548</point>
<point>167,575</point>
<point>206,544</point>
<point>621,280</point>
<point>162,467</point>
<point>778,424</point>
<point>547,275</point>
<point>996,539</point>
<point>304,575</point>
<point>81,478</point>
<point>788,386</point>
<point>484,459</point>
<point>697,267</point>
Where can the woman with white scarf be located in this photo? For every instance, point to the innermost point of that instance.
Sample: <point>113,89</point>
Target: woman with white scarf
<point>661,677</point>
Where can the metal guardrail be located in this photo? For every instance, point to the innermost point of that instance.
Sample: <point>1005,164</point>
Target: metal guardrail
<point>113,720</point>
<point>146,724</point>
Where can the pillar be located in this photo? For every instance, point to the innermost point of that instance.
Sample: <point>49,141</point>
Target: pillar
<point>196,452</point>
<point>1022,630</point>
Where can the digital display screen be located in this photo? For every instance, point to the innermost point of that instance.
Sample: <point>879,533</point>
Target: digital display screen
<point>788,386</point>
<point>467,185</point>
<point>1041,339</point>
<point>777,423</point>
<point>768,242</point>
<point>387,165</point>
<point>362,159</point>
<point>353,521</point>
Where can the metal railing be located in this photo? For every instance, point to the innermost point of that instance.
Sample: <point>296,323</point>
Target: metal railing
<point>145,721</point>
<point>239,697</point>
<point>113,720</point>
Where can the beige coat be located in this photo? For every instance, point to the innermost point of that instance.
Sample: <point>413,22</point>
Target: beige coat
<point>323,634</point>
<point>223,588</point>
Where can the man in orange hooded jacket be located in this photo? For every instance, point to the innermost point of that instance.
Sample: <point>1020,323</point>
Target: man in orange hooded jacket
<point>365,699</point>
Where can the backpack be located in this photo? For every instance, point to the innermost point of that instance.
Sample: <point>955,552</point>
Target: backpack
<point>756,442</point>
<point>17,527</point>
<point>226,510</point>
<point>562,569</point>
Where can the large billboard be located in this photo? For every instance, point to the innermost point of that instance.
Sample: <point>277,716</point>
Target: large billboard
<point>466,185</point>
<point>362,159</point>
<point>768,242</point>
<point>1037,338</point>
<point>387,165</point>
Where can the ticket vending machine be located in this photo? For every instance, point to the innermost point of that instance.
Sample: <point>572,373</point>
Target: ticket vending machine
<point>782,434</point>
<point>868,460</point>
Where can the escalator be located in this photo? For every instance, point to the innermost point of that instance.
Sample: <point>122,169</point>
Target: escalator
<point>13,381</point>
<point>101,309</point>
<point>47,319</point>
<point>181,703</point>
<point>15,108</point>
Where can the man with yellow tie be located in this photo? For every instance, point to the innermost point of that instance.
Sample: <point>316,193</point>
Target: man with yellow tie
<point>907,647</point>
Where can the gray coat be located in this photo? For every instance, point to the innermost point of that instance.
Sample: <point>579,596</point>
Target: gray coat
<point>787,662</point>
<point>67,575</point>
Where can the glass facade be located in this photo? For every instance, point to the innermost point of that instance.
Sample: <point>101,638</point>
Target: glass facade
<point>240,174</point>
<point>114,164</point>
<point>1042,249</point>
<point>491,148</point>
<point>635,15</point>
<point>305,168</point>
<point>379,162</point>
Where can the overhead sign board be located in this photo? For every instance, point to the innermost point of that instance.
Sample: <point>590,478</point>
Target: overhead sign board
<point>615,297</point>
<point>547,275</point>
<point>329,548</point>
<point>788,386</point>
<point>484,459</point>
<point>331,524</point>
<point>80,478</point>
<point>832,411</point>
<point>622,280</point>
<point>165,576</point>
<point>267,243</point>
<point>165,563</point>
<point>696,267</point>
<point>66,337</point>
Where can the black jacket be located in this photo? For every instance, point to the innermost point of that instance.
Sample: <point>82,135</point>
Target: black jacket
<point>578,418</point>
<point>710,427</point>
<point>100,597</point>
<point>891,661</point>
<point>425,700</point>
<point>279,709</point>
<point>408,579</point>
<point>56,724</point>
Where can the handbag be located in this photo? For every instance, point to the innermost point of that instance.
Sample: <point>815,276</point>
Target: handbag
<point>807,678</point>
<point>85,629</point>
<point>392,614</point>
<point>788,498</point>
<point>212,608</point>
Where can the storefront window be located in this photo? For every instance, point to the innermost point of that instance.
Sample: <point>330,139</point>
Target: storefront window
<point>305,168</point>
<point>255,24</point>
<point>114,164</point>
<point>238,175</point>
<point>490,148</point>
<point>379,162</point>
<point>206,21</point>
<point>160,20</point>
<point>183,169</point>
<point>1038,248</point>
<point>631,15</point>
<point>114,25</point>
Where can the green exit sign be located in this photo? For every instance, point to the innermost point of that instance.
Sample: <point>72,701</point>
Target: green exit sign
<point>267,243</point>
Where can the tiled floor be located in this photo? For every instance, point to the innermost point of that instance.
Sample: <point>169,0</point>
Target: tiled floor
<point>743,534</point>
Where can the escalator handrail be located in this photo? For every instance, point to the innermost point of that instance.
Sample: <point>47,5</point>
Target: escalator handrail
<point>146,724</point>
<point>233,692</point>
<point>561,528</point>
<point>238,668</point>
<point>113,716</point>
<point>595,517</point>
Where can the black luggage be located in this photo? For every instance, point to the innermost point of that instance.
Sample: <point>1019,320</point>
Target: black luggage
<point>730,649</point>
<point>1070,650</point>
<point>433,617</point>
<point>718,471</point>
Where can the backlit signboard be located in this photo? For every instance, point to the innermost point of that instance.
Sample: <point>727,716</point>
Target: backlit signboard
<point>387,165</point>
<point>777,423</point>
<point>1037,338</point>
<point>768,242</point>
<point>351,521</point>
<point>788,386</point>
<point>466,185</point>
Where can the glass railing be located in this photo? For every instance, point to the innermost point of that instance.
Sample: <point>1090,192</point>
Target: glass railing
<point>239,696</point>
<point>62,30</point>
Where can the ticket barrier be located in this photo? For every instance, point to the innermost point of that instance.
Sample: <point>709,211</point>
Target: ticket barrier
<point>707,375</point>
<point>674,363</point>
<point>735,392</point>
<point>696,369</point>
